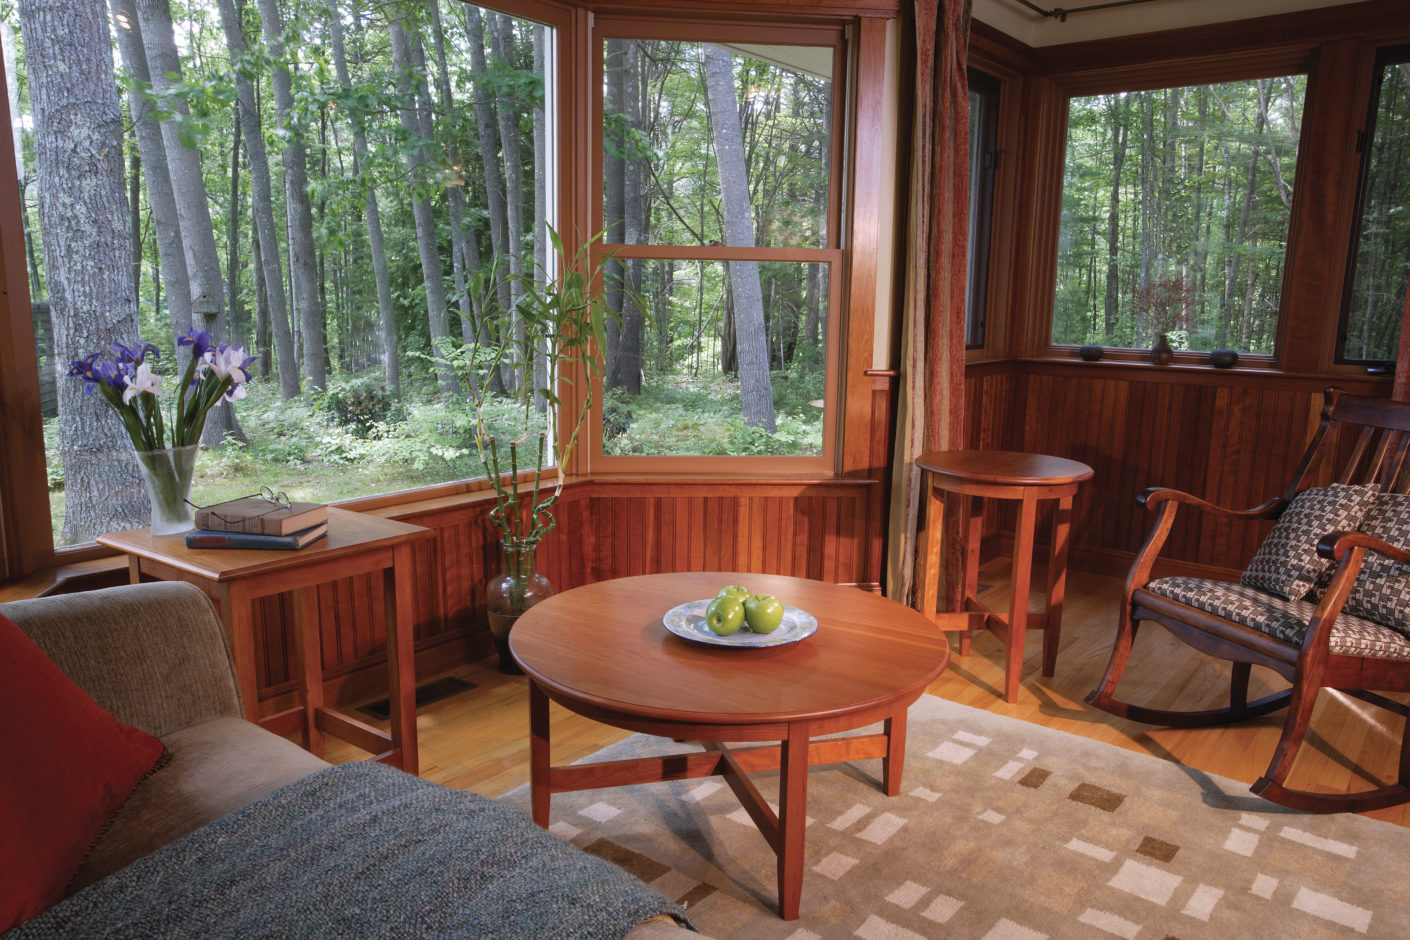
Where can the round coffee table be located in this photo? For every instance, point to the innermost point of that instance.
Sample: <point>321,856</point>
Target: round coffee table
<point>602,651</point>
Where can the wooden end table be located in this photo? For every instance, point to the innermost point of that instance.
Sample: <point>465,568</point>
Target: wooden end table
<point>1000,474</point>
<point>602,651</point>
<point>237,578</point>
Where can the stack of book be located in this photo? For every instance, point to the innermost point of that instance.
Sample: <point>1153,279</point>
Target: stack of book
<point>255,522</point>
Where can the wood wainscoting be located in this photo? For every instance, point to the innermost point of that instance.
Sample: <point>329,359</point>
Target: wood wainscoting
<point>1233,438</point>
<point>830,530</point>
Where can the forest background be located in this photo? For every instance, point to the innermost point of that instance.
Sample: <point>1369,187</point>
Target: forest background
<point>353,191</point>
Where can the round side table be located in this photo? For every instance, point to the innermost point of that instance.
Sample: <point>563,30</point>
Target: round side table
<point>1000,474</point>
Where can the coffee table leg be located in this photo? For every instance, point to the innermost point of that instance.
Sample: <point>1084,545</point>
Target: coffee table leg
<point>894,762</point>
<point>539,753</point>
<point>792,820</point>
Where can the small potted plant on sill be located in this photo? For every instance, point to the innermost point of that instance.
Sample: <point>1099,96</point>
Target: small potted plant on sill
<point>548,334</point>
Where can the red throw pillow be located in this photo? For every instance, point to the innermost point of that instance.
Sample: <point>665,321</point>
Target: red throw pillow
<point>67,767</point>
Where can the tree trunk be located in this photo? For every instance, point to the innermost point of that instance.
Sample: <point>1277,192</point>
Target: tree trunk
<point>189,187</point>
<point>460,250</point>
<point>751,341</point>
<point>303,256</point>
<point>431,272</point>
<point>1119,134</point>
<point>83,212</point>
<point>391,355</point>
<point>160,196</point>
<point>487,129</point>
<point>134,227</point>
<point>232,243</point>
<point>501,42</point>
<point>614,190</point>
<point>626,370</point>
<point>262,213</point>
<point>263,328</point>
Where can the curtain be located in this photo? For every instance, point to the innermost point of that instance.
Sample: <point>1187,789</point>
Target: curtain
<point>930,410</point>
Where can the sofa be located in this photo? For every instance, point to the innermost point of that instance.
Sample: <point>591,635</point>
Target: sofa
<point>239,832</point>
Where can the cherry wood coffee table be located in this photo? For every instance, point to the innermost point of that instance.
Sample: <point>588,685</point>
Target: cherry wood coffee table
<point>602,651</point>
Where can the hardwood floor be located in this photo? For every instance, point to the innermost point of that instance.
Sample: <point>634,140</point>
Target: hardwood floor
<point>478,740</point>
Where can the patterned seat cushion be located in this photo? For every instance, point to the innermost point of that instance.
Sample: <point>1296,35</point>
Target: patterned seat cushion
<point>1382,589</point>
<point>1286,620</point>
<point>1287,563</point>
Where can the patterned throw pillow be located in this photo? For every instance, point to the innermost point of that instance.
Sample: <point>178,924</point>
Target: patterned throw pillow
<point>1382,590</point>
<point>1287,563</point>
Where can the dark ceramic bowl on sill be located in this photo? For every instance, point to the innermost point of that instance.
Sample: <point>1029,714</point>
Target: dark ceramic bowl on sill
<point>1090,353</point>
<point>1223,358</point>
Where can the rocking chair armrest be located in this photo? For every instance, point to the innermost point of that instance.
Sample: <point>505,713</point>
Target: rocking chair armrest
<point>1152,496</point>
<point>1335,545</point>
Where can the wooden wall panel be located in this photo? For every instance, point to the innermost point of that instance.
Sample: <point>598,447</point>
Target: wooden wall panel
<point>831,531</point>
<point>1232,438</point>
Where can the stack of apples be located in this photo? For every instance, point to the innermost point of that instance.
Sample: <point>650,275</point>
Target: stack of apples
<point>736,606</point>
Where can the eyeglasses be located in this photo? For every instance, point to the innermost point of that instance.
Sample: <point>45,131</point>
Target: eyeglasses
<point>277,500</point>
<point>280,499</point>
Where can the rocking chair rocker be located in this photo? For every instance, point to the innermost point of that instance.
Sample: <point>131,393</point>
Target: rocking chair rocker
<point>1334,617</point>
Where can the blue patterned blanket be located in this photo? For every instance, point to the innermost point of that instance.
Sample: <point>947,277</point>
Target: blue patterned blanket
<point>361,850</point>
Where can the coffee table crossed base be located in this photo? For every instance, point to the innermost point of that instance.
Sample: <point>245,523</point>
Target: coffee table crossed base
<point>602,652</point>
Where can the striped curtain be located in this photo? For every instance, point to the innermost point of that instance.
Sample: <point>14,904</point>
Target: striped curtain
<point>930,413</point>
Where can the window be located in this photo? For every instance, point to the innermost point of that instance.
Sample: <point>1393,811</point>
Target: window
<point>425,132</point>
<point>719,169</point>
<point>983,162</point>
<point>1374,300</point>
<point>1175,212</point>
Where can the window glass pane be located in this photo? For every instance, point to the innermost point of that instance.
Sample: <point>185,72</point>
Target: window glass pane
<point>1175,215</point>
<point>660,180</point>
<point>1376,298</point>
<point>983,144</point>
<point>413,151</point>
<point>691,400</point>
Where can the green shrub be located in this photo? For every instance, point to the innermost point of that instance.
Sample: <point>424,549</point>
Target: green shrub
<point>362,407</point>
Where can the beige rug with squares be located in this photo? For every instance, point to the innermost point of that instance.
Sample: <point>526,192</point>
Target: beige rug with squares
<point>1005,831</point>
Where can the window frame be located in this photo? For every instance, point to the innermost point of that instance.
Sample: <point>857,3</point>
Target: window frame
<point>983,191</point>
<point>839,324</point>
<point>1385,56</point>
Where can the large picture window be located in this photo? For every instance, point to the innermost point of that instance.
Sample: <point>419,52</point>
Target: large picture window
<point>1380,262</point>
<point>719,167</point>
<point>329,189</point>
<point>983,162</point>
<point>1175,212</point>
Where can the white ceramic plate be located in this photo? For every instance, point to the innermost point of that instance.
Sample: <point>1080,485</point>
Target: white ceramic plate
<point>688,621</point>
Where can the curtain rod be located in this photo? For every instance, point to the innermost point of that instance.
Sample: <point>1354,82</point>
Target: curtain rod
<point>1062,14</point>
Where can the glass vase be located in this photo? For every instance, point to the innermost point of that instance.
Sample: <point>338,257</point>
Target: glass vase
<point>517,588</point>
<point>168,473</point>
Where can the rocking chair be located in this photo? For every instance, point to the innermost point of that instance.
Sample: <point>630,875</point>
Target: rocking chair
<point>1325,602</point>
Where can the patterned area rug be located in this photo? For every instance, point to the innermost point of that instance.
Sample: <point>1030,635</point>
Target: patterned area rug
<point>1006,831</point>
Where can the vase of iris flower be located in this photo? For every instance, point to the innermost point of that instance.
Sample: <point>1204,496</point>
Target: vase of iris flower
<point>165,438</point>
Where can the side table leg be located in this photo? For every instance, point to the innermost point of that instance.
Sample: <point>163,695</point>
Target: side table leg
<point>1057,582</point>
<point>894,762</point>
<point>974,539</point>
<point>309,653</point>
<point>539,754</point>
<point>238,609</point>
<point>792,819</point>
<point>398,591</point>
<point>1018,601</point>
<point>928,590</point>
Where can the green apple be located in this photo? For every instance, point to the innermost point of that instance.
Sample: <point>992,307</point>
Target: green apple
<point>763,612</point>
<point>724,616</point>
<point>737,591</point>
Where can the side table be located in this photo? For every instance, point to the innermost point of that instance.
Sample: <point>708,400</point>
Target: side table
<point>236,578</point>
<point>997,474</point>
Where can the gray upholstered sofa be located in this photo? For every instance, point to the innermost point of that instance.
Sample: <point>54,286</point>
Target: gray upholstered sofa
<point>243,833</point>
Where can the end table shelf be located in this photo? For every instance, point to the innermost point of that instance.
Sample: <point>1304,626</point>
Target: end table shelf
<point>235,579</point>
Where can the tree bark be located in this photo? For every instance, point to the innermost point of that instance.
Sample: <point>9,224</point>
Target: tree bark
<point>1119,135</point>
<point>160,196</point>
<point>262,212</point>
<point>232,243</point>
<point>751,341</point>
<point>461,246</point>
<point>432,273</point>
<point>626,370</point>
<point>487,130</point>
<point>501,43</point>
<point>303,253</point>
<point>83,217</point>
<point>614,189</point>
<point>391,354</point>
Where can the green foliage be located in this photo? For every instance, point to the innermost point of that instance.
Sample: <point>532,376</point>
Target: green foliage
<point>364,407</point>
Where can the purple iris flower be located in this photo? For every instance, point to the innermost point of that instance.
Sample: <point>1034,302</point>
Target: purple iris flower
<point>84,369</point>
<point>124,353</point>
<point>199,340</point>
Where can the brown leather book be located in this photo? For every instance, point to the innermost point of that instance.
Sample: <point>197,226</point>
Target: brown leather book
<point>258,515</point>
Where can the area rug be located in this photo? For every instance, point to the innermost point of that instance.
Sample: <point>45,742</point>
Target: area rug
<point>1006,831</point>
